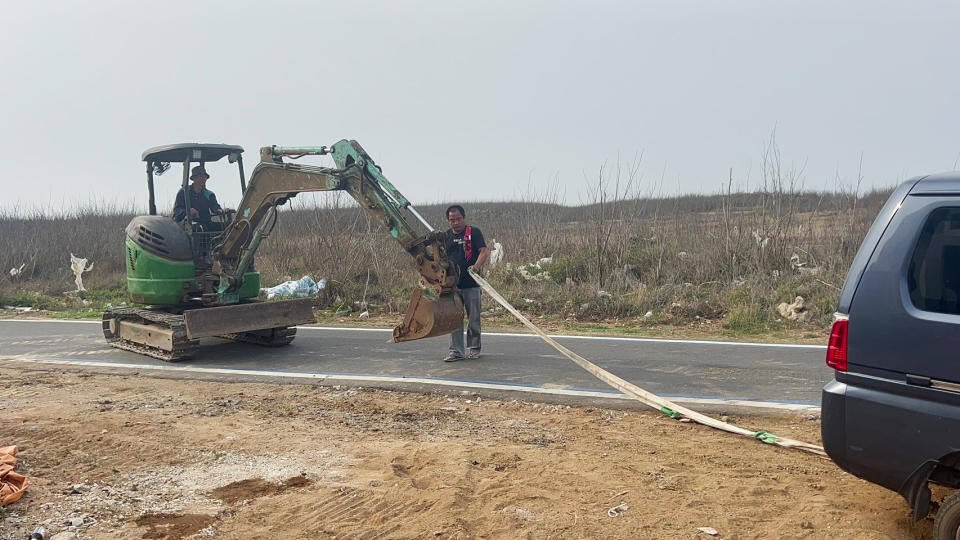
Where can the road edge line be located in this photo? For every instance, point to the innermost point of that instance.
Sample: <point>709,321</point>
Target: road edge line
<point>438,382</point>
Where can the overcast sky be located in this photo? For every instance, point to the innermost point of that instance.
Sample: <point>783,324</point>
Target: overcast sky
<point>478,101</point>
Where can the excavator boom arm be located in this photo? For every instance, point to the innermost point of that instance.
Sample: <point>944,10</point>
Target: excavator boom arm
<point>434,310</point>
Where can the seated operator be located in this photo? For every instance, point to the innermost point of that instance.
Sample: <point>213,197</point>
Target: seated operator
<point>203,203</point>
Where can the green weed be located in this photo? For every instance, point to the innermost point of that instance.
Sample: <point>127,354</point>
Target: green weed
<point>746,319</point>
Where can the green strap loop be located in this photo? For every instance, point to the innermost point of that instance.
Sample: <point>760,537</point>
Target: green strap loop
<point>765,437</point>
<point>670,412</point>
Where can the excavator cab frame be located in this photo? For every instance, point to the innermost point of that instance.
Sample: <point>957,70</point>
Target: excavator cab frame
<point>159,159</point>
<point>202,237</point>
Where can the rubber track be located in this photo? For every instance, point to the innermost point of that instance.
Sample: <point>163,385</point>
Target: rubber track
<point>183,347</point>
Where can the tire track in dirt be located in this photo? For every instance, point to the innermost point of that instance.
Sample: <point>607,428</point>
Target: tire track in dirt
<point>345,511</point>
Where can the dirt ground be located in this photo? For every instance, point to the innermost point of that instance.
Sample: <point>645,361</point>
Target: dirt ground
<point>138,457</point>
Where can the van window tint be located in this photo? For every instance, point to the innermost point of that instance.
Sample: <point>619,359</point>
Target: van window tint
<point>934,275</point>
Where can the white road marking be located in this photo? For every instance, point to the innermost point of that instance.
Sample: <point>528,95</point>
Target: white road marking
<point>91,352</point>
<point>51,321</point>
<point>42,341</point>
<point>340,378</point>
<point>599,338</point>
<point>508,334</point>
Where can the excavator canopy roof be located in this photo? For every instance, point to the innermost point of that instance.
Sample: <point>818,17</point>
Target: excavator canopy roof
<point>178,153</point>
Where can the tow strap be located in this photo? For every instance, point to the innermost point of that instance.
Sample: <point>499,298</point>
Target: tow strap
<point>665,406</point>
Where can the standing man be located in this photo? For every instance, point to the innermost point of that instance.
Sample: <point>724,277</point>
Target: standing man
<point>466,248</point>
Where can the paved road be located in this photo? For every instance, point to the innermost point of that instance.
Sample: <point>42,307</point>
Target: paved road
<point>687,371</point>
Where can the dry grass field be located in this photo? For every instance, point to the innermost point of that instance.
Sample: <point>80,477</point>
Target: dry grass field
<point>617,260</point>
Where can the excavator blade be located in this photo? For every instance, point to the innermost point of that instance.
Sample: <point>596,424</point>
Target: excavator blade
<point>215,321</point>
<point>427,318</point>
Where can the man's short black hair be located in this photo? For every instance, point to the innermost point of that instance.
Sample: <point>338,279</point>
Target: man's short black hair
<point>453,207</point>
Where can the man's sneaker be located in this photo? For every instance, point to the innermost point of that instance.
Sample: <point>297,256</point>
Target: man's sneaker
<point>452,358</point>
<point>473,355</point>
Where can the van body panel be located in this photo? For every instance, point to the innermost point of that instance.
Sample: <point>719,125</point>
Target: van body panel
<point>870,241</point>
<point>893,418</point>
<point>886,330</point>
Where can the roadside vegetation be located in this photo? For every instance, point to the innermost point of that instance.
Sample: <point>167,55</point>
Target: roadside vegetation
<point>627,257</point>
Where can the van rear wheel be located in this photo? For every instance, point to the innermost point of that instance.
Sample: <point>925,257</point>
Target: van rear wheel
<point>946,526</point>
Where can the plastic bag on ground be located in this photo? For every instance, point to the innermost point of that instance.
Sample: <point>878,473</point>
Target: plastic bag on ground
<point>12,485</point>
<point>300,288</point>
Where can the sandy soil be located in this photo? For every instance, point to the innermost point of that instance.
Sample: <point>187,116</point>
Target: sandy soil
<point>137,457</point>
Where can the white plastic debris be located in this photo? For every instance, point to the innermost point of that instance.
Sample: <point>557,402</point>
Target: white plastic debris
<point>708,530</point>
<point>797,311</point>
<point>648,314</point>
<point>365,315</point>
<point>14,272</point>
<point>496,253</point>
<point>535,271</point>
<point>79,266</point>
<point>301,288</point>
<point>760,240</point>
<point>617,510</point>
<point>802,267</point>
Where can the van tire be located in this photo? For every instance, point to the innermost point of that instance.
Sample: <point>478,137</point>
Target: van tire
<point>946,526</point>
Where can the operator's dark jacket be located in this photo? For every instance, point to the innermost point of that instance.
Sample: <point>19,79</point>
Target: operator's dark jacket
<point>205,202</point>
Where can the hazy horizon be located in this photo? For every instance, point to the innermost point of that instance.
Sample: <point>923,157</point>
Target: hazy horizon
<point>480,102</point>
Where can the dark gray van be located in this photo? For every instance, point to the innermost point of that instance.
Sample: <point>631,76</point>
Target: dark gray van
<point>892,413</point>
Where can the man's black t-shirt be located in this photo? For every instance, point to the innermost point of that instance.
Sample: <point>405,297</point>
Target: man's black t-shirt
<point>456,252</point>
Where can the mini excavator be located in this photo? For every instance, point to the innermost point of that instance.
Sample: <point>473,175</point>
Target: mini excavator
<point>193,279</point>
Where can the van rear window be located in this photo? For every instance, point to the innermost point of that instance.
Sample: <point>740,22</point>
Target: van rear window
<point>934,275</point>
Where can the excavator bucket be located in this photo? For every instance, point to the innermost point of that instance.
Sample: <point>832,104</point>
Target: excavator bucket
<point>427,318</point>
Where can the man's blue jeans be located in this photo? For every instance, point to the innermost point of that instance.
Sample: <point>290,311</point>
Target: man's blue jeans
<point>471,302</point>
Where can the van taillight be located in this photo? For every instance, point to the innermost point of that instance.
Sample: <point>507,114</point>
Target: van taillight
<point>837,348</point>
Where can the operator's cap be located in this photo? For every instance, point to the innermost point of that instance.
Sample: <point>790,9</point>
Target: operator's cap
<point>199,170</point>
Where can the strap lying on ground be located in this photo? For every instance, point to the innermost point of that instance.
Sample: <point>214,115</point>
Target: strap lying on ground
<point>665,406</point>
